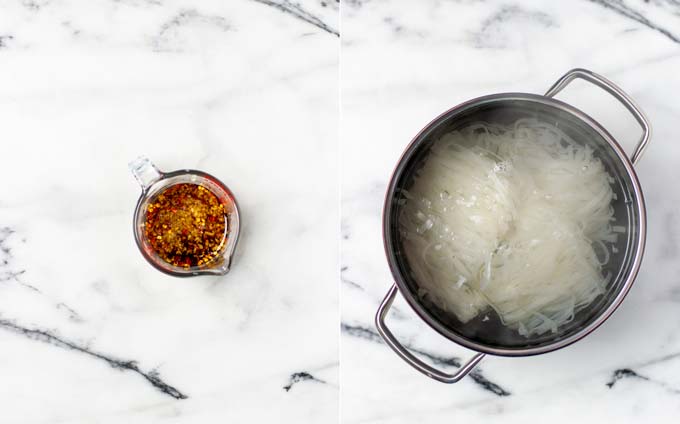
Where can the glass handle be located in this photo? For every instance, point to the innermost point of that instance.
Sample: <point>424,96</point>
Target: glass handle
<point>145,172</point>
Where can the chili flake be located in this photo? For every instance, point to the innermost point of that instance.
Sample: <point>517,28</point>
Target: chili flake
<point>186,225</point>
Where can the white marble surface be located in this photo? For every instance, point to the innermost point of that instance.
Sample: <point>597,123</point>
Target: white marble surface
<point>245,90</point>
<point>405,62</point>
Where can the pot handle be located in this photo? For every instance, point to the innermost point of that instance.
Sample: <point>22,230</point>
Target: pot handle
<point>408,356</point>
<point>615,91</point>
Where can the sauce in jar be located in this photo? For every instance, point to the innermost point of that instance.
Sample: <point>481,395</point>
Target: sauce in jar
<point>186,225</point>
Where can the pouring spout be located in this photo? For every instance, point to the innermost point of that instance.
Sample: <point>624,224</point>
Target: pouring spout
<point>222,269</point>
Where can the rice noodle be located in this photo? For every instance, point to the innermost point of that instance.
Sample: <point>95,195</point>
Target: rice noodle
<point>511,218</point>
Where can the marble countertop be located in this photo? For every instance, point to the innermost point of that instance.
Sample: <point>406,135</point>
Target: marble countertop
<point>402,64</point>
<point>245,90</point>
<point>248,91</point>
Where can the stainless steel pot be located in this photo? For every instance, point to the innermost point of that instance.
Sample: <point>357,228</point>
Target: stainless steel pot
<point>490,336</point>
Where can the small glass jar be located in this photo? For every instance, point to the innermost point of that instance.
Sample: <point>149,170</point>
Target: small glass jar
<point>154,185</point>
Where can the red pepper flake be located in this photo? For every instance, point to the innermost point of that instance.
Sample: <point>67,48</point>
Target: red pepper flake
<point>186,225</point>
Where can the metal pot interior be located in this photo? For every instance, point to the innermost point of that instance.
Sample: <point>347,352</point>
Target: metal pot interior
<point>490,335</point>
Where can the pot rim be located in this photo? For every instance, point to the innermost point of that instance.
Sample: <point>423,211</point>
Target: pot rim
<point>436,324</point>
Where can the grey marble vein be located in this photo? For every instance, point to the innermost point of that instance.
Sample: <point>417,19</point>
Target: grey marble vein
<point>361,332</point>
<point>72,313</point>
<point>301,376</point>
<point>351,283</point>
<point>624,373</point>
<point>7,273</point>
<point>299,12</point>
<point>627,373</point>
<point>660,359</point>
<point>508,15</point>
<point>35,5</point>
<point>45,336</point>
<point>347,281</point>
<point>476,375</point>
<point>5,40</point>
<point>344,229</point>
<point>163,40</point>
<point>622,9</point>
<point>10,274</point>
<point>355,3</point>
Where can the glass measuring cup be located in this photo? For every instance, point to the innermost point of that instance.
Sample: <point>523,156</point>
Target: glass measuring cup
<point>155,185</point>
